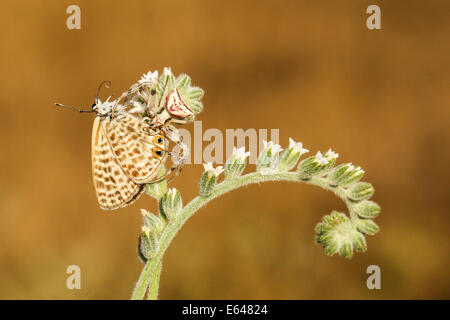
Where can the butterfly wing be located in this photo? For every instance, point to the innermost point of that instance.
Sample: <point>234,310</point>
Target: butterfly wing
<point>138,151</point>
<point>113,187</point>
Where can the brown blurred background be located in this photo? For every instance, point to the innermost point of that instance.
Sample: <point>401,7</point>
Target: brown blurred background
<point>310,68</point>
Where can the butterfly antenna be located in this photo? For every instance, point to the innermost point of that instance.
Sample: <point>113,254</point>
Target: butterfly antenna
<point>105,83</point>
<point>73,108</point>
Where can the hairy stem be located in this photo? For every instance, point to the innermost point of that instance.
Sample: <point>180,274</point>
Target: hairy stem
<point>149,277</point>
<point>154,282</point>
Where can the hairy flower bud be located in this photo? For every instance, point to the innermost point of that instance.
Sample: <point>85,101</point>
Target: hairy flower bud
<point>366,209</point>
<point>367,226</point>
<point>153,223</point>
<point>209,179</point>
<point>269,158</point>
<point>345,174</point>
<point>290,156</point>
<point>148,244</point>
<point>317,165</point>
<point>235,164</point>
<point>360,191</point>
<point>172,203</point>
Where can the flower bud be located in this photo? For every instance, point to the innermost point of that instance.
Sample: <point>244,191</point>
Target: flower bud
<point>317,165</point>
<point>148,244</point>
<point>359,241</point>
<point>190,94</point>
<point>209,179</point>
<point>367,226</point>
<point>367,209</point>
<point>235,164</point>
<point>172,203</point>
<point>269,158</point>
<point>308,167</point>
<point>290,156</point>
<point>345,174</point>
<point>360,191</point>
<point>331,157</point>
<point>154,224</point>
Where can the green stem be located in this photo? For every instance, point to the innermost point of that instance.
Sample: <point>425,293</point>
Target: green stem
<point>152,269</point>
<point>154,283</point>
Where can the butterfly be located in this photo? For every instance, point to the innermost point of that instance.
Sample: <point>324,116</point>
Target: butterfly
<point>128,150</point>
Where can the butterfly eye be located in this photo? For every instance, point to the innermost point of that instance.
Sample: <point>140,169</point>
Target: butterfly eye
<point>158,140</point>
<point>158,152</point>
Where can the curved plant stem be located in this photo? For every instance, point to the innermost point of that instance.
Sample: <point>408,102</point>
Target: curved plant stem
<point>154,283</point>
<point>149,277</point>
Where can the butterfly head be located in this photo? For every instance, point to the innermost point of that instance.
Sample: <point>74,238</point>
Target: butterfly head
<point>104,108</point>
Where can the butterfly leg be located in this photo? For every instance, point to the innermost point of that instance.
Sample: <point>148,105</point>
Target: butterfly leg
<point>180,157</point>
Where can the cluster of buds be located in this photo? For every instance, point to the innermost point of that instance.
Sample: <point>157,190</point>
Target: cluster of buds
<point>170,205</point>
<point>191,96</point>
<point>319,164</point>
<point>180,99</point>
<point>336,232</point>
<point>337,235</point>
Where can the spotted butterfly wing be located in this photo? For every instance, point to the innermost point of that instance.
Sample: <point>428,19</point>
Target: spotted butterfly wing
<point>114,189</point>
<point>138,150</point>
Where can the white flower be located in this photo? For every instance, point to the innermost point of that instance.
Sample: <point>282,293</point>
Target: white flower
<point>297,146</point>
<point>276,148</point>
<point>215,171</point>
<point>331,155</point>
<point>240,153</point>
<point>151,77</point>
<point>321,160</point>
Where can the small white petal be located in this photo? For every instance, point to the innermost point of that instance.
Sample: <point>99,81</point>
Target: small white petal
<point>321,159</point>
<point>219,170</point>
<point>331,155</point>
<point>240,153</point>
<point>149,77</point>
<point>273,146</point>
<point>297,146</point>
<point>208,166</point>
